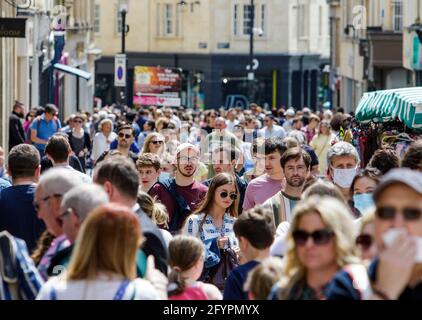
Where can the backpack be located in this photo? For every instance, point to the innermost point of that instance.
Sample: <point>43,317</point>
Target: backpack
<point>182,209</point>
<point>55,119</point>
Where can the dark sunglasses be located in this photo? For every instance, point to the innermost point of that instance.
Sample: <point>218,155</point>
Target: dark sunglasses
<point>157,142</point>
<point>389,213</point>
<point>364,241</point>
<point>319,237</point>
<point>77,121</point>
<point>127,136</point>
<point>224,195</point>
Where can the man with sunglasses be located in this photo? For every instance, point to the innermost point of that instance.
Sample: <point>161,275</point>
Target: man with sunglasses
<point>271,130</point>
<point>125,141</point>
<point>397,272</point>
<point>53,185</point>
<point>182,194</point>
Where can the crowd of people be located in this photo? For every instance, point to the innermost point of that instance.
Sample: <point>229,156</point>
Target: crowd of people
<point>182,204</point>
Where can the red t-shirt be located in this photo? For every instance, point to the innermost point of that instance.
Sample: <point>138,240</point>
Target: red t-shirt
<point>192,194</point>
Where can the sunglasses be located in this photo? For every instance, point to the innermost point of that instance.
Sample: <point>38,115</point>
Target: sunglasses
<point>127,136</point>
<point>77,121</point>
<point>157,142</point>
<point>319,237</point>
<point>364,241</point>
<point>389,213</point>
<point>224,195</point>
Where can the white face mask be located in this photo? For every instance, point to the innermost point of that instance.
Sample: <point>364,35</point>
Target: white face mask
<point>344,177</point>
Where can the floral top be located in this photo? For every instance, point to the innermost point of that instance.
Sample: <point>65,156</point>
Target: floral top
<point>209,230</point>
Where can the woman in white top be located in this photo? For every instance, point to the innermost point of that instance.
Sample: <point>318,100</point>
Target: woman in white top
<point>103,263</point>
<point>103,139</point>
<point>215,217</point>
<point>321,142</point>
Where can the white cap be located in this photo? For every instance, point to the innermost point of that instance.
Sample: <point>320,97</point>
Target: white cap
<point>290,113</point>
<point>185,146</point>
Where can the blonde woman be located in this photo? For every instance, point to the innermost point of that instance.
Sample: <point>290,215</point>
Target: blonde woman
<point>154,143</point>
<point>103,139</point>
<point>321,142</point>
<point>103,263</point>
<point>320,261</point>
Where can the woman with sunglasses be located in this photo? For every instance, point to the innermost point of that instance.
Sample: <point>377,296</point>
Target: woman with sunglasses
<point>79,139</point>
<point>154,143</point>
<point>365,241</point>
<point>214,219</point>
<point>321,244</point>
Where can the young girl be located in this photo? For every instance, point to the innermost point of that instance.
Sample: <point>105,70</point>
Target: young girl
<point>186,259</point>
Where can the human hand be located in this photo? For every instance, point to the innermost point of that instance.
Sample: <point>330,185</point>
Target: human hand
<point>395,266</point>
<point>157,279</point>
<point>222,241</point>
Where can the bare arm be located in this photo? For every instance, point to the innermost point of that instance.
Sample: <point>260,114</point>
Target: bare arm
<point>35,139</point>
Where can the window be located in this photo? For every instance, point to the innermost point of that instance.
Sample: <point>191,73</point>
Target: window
<point>236,20</point>
<point>303,21</point>
<point>158,20</point>
<point>118,21</point>
<point>247,19</point>
<point>263,16</point>
<point>397,15</point>
<point>168,19</point>
<point>97,18</point>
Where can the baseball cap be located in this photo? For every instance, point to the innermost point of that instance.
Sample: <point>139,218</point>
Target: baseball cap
<point>186,146</point>
<point>410,178</point>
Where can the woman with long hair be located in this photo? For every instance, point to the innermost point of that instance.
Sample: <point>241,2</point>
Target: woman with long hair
<point>321,142</point>
<point>362,188</point>
<point>320,256</point>
<point>213,221</point>
<point>154,143</point>
<point>186,259</point>
<point>103,263</point>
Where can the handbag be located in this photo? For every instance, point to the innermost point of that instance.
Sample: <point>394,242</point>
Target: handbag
<point>217,275</point>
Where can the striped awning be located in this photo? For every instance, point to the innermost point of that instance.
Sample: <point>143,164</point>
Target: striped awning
<point>403,104</point>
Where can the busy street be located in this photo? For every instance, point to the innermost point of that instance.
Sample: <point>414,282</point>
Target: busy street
<point>232,151</point>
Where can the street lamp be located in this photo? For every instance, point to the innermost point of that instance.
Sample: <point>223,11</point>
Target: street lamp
<point>123,9</point>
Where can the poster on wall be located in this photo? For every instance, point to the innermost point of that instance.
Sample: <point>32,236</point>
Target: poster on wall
<point>157,86</point>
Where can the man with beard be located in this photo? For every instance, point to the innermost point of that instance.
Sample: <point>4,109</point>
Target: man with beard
<point>181,195</point>
<point>16,132</point>
<point>296,164</point>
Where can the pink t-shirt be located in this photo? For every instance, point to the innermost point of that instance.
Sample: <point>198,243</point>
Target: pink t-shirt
<point>259,190</point>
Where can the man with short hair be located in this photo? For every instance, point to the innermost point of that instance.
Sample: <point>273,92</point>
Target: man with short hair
<point>264,187</point>
<point>272,130</point>
<point>413,157</point>
<point>182,194</point>
<point>255,231</point>
<point>76,204</point>
<point>119,178</point>
<point>296,164</point>
<point>16,132</point>
<point>125,141</point>
<point>231,119</point>
<point>44,126</point>
<point>224,160</point>
<point>17,212</point>
<point>343,163</point>
<point>58,151</point>
<point>52,186</point>
<point>149,169</point>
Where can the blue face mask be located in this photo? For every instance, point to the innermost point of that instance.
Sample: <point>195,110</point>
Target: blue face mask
<point>165,175</point>
<point>363,202</point>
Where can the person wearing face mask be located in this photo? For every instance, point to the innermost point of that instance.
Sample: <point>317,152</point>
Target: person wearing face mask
<point>362,188</point>
<point>343,162</point>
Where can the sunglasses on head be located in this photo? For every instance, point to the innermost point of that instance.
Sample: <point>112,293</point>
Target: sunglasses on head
<point>364,241</point>
<point>224,194</point>
<point>389,213</point>
<point>319,237</point>
<point>157,142</point>
<point>127,136</point>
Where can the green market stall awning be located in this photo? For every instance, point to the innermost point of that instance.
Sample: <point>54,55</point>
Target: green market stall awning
<point>403,104</point>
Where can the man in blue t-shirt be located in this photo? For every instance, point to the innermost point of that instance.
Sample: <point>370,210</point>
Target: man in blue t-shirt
<point>255,231</point>
<point>17,213</point>
<point>44,126</point>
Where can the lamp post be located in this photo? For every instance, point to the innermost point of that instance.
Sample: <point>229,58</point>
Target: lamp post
<point>251,73</point>
<point>123,9</point>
